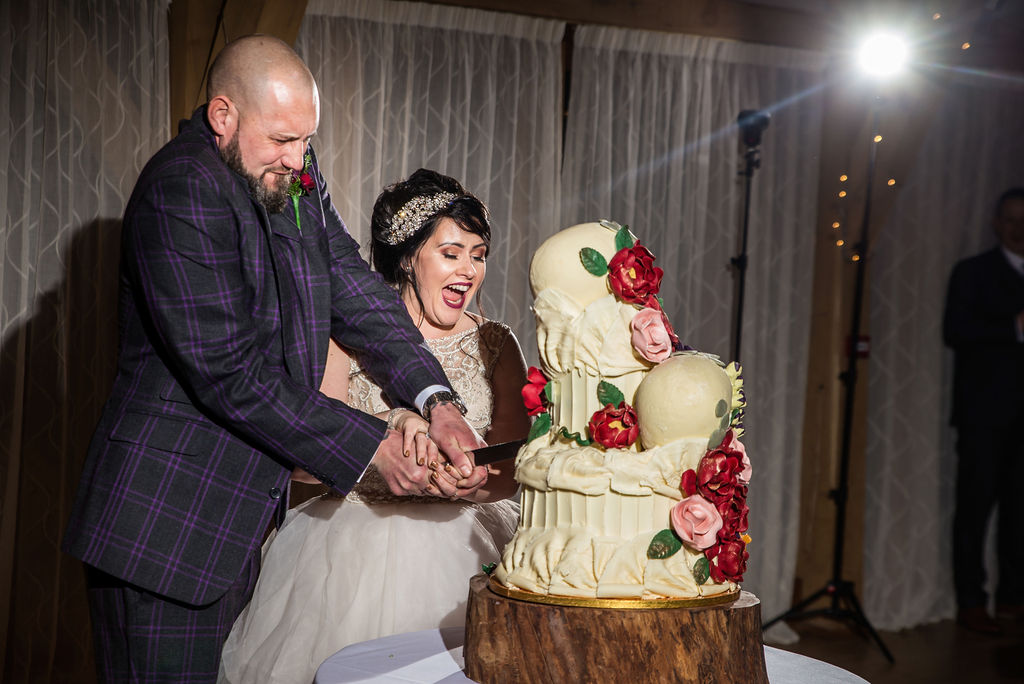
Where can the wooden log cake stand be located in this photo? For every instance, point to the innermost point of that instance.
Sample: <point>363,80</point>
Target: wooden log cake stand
<point>511,640</point>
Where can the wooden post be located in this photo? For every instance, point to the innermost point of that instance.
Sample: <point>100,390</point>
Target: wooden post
<point>518,642</point>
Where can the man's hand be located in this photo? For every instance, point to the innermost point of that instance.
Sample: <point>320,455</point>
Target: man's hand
<point>405,477</point>
<point>467,486</point>
<point>454,437</point>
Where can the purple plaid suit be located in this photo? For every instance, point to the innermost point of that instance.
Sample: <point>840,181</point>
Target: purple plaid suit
<point>225,318</point>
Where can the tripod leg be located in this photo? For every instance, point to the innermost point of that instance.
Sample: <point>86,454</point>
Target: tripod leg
<point>862,619</point>
<point>798,608</point>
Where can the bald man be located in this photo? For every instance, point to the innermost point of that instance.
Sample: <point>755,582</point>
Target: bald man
<point>231,285</point>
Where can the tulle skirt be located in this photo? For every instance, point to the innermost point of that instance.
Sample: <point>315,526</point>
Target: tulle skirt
<point>340,571</point>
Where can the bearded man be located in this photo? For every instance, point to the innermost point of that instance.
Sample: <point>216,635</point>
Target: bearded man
<point>235,271</point>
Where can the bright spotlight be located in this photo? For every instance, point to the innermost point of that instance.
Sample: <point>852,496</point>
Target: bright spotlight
<point>882,54</point>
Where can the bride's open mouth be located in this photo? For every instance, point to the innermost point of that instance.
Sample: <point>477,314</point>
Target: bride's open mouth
<point>455,295</point>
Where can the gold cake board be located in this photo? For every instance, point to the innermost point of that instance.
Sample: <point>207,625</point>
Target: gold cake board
<point>618,603</point>
<point>513,639</point>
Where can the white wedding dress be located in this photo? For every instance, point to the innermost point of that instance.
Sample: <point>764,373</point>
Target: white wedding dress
<point>344,570</point>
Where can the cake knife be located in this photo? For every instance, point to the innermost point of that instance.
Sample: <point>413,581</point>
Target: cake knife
<point>493,453</point>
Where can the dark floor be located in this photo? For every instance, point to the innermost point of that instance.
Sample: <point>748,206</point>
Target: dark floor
<point>936,653</point>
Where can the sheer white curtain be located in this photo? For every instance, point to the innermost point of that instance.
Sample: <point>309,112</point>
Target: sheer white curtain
<point>83,104</point>
<point>972,153</point>
<point>475,95</point>
<point>651,142</point>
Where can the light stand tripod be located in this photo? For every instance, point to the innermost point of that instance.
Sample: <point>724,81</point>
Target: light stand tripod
<point>839,590</point>
<point>752,123</point>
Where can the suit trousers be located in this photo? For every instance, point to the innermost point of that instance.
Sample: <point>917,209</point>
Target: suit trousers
<point>141,637</point>
<point>990,471</point>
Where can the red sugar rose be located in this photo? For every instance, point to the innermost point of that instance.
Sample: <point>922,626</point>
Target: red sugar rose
<point>688,482</point>
<point>727,561</point>
<point>734,515</point>
<point>614,428</point>
<point>533,391</point>
<point>632,274</point>
<point>717,475</point>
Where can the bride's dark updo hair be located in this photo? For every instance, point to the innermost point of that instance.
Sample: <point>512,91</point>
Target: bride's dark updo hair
<point>393,261</point>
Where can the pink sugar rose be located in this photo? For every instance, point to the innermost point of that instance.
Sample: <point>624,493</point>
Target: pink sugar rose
<point>650,337</point>
<point>697,522</point>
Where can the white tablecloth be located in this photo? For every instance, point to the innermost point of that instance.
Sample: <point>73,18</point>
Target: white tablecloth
<point>436,656</point>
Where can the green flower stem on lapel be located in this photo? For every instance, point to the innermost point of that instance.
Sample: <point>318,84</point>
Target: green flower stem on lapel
<point>295,203</point>
<point>302,184</point>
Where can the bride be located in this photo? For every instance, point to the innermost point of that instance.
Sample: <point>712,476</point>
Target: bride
<point>344,570</point>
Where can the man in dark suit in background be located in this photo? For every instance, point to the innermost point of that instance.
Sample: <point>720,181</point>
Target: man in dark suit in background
<point>235,271</point>
<point>984,324</point>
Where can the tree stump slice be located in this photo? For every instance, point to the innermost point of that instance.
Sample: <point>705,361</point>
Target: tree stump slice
<point>509,640</point>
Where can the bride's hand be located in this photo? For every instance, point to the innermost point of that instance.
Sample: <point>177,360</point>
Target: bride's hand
<point>415,441</point>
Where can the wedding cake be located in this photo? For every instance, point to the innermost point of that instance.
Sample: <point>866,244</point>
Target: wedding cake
<point>633,477</point>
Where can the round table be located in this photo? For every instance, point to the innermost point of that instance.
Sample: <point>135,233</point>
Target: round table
<point>435,655</point>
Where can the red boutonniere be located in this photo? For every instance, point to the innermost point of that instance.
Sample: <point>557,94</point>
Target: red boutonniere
<point>302,184</point>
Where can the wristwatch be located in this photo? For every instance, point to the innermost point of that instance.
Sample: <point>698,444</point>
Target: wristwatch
<point>442,397</point>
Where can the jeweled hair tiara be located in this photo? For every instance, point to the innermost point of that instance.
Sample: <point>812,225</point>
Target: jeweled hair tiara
<point>410,218</point>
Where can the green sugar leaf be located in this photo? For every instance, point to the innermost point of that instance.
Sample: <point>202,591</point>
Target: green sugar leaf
<point>607,393</point>
<point>702,570</point>
<point>664,544</point>
<point>721,408</point>
<point>539,427</point>
<point>623,238</point>
<point>593,261</point>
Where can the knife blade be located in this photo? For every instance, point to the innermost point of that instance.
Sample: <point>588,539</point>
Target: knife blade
<point>492,453</point>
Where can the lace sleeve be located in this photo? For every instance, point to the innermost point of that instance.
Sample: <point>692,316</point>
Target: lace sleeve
<point>505,369</point>
<point>493,336</point>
